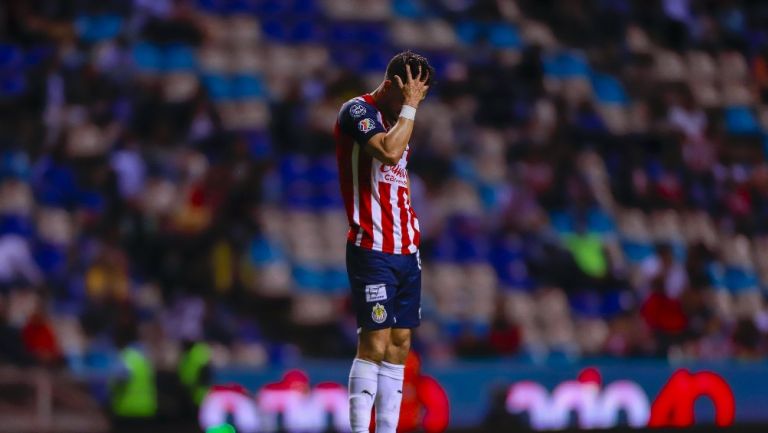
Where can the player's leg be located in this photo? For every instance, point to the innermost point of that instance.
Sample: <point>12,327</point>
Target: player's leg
<point>364,377</point>
<point>372,294</point>
<point>390,386</point>
<point>407,310</point>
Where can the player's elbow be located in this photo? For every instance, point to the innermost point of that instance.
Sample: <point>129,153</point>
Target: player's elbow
<point>390,158</point>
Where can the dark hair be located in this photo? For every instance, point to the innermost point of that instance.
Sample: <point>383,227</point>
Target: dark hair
<point>396,66</point>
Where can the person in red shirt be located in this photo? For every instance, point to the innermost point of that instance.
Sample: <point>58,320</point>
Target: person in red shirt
<point>425,403</point>
<point>40,340</point>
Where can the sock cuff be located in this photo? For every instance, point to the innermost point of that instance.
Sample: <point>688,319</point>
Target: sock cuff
<point>394,371</point>
<point>364,369</point>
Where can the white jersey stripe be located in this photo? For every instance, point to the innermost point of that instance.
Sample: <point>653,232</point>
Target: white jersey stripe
<point>394,196</point>
<point>409,226</point>
<point>378,238</point>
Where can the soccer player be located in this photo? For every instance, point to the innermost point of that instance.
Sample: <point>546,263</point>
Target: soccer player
<point>383,265</point>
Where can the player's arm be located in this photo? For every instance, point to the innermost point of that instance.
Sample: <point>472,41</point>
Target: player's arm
<point>389,147</point>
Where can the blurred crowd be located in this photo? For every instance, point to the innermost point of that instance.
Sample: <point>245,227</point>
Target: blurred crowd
<point>590,176</point>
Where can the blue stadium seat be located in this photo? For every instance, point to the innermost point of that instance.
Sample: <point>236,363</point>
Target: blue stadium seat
<point>504,35</point>
<point>308,277</point>
<point>342,34</point>
<point>412,9</point>
<point>10,57</point>
<point>562,222</point>
<point>489,195</point>
<point>599,221</point>
<point>177,58</point>
<point>307,31</point>
<point>95,28</point>
<point>636,251</point>
<point>92,201</point>
<point>375,61</point>
<point>348,58</point>
<point>243,6</point>
<point>468,32</point>
<point>739,280</point>
<point>741,121</point>
<point>586,304</point>
<point>147,57</point>
<point>464,169</point>
<point>566,65</point>
<point>299,192</point>
<point>305,8</point>
<point>608,89</point>
<point>372,34</point>
<point>335,280</point>
<point>212,6</point>
<point>293,167</point>
<point>51,258</point>
<point>508,260</point>
<point>276,30</point>
<point>263,250</point>
<point>17,225</point>
<point>274,7</point>
<point>323,170</point>
<point>716,275</point>
<point>12,85</point>
<point>218,87</point>
<point>14,164</point>
<point>248,87</point>
<point>259,144</point>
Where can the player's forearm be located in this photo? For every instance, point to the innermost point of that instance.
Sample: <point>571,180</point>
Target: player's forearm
<point>396,140</point>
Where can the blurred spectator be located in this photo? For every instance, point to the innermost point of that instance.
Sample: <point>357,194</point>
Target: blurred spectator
<point>12,347</point>
<point>664,271</point>
<point>40,339</point>
<point>172,157</point>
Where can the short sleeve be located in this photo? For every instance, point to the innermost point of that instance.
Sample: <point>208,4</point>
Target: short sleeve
<point>360,121</point>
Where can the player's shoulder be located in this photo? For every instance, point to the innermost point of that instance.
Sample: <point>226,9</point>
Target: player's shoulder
<point>356,108</point>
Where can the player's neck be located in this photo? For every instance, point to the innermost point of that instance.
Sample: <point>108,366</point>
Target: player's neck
<point>378,99</point>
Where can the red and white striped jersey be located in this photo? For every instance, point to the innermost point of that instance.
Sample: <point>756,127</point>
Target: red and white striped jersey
<point>376,195</point>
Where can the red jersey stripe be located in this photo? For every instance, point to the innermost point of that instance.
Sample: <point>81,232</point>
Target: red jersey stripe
<point>387,223</point>
<point>402,194</point>
<point>366,215</point>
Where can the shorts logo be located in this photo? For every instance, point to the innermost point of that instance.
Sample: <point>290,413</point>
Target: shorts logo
<point>366,125</point>
<point>357,110</point>
<point>375,292</point>
<point>379,313</point>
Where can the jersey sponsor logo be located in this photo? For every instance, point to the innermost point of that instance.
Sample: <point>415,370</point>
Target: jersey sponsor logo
<point>356,110</point>
<point>394,174</point>
<point>375,292</point>
<point>379,313</point>
<point>366,125</point>
<point>397,170</point>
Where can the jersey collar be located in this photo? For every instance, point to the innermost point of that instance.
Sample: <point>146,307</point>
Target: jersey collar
<point>369,99</point>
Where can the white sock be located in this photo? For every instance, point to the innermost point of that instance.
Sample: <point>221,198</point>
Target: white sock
<point>363,384</point>
<point>389,398</point>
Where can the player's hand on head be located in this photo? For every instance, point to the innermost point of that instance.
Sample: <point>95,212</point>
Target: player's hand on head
<point>415,87</point>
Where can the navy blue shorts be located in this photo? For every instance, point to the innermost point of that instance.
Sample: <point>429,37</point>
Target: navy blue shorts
<point>386,288</point>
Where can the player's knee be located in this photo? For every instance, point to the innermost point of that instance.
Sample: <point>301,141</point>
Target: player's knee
<point>372,348</point>
<point>372,354</point>
<point>401,340</point>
